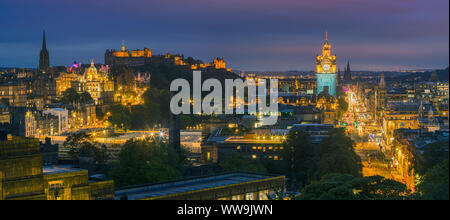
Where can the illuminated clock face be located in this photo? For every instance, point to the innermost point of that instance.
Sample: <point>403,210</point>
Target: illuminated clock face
<point>326,67</point>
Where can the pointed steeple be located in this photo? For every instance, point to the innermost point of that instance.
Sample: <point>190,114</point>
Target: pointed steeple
<point>347,73</point>
<point>44,57</point>
<point>382,82</point>
<point>44,43</point>
<point>326,39</point>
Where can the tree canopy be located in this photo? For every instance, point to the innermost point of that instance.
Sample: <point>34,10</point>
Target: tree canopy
<point>82,144</point>
<point>144,161</point>
<point>336,154</point>
<point>71,96</point>
<point>432,169</point>
<point>348,187</point>
<point>304,162</point>
<point>236,161</point>
<point>434,185</point>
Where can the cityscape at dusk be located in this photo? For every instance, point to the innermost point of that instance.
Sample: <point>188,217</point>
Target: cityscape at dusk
<point>224,100</point>
<point>252,35</point>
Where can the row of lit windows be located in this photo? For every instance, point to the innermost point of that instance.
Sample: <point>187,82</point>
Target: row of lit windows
<point>259,148</point>
<point>275,157</point>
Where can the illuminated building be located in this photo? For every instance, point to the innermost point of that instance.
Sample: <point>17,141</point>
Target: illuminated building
<point>380,100</point>
<point>142,57</point>
<point>98,85</point>
<point>397,116</point>
<point>297,85</point>
<point>15,94</point>
<point>217,63</point>
<point>24,123</point>
<point>23,177</point>
<point>326,70</point>
<point>44,86</point>
<point>328,105</point>
<point>65,81</point>
<point>125,57</point>
<point>5,116</point>
<point>63,118</point>
<point>254,146</point>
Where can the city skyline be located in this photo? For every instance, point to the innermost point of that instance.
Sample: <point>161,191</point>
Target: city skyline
<point>260,37</point>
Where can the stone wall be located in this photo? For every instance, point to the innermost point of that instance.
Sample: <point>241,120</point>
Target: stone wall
<point>22,177</point>
<point>102,190</point>
<point>21,165</point>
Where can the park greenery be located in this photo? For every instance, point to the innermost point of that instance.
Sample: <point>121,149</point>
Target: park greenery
<point>348,187</point>
<point>238,162</point>
<point>153,112</point>
<point>304,162</point>
<point>432,169</point>
<point>71,96</point>
<point>83,145</point>
<point>144,161</point>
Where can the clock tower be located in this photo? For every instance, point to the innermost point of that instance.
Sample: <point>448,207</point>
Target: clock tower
<point>326,70</point>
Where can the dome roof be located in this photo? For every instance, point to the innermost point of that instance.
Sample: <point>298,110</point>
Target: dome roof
<point>91,72</point>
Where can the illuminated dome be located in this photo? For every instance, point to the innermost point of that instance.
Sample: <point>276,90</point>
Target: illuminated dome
<point>91,72</point>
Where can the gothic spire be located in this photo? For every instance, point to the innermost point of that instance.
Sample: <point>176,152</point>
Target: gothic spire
<point>382,83</point>
<point>44,43</point>
<point>44,58</point>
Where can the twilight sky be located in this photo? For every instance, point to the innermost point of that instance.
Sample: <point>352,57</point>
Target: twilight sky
<point>249,34</point>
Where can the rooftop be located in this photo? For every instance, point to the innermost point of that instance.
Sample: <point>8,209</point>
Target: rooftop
<point>189,184</point>
<point>60,169</point>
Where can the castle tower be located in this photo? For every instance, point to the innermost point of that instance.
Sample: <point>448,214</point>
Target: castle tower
<point>123,46</point>
<point>44,58</point>
<point>326,70</point>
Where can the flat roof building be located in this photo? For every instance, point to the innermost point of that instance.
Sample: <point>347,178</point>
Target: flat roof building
<point>227,186</point>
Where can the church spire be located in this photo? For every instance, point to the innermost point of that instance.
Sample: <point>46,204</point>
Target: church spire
<point>382,83</point>
<point>44,58</point>
<point>44,43</point>
<point>348,66</point>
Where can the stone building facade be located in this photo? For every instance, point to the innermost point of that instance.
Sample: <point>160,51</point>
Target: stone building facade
<point>23,176</point>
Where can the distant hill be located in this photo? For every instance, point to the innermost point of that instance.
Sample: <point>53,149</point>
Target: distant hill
<point>162,74</point>
<point>442,75</point>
